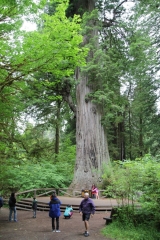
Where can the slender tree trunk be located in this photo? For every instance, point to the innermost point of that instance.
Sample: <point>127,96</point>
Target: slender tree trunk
<point>130,134</point>
<point>140,136</point>
<point>120,137</point>
<point>57,127</point>
<point>124,142</point>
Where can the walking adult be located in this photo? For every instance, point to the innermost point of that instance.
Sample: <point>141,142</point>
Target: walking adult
<point>1,202</point>
<point>12,207</point>
<point>86,209</point>
<point>55,212</point>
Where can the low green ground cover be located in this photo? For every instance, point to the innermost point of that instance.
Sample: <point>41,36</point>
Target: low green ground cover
<point>119,231</point>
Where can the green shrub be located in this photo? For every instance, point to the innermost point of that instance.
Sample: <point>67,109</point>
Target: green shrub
<point>136,186</point>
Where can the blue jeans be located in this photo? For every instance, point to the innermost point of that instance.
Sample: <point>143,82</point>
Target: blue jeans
<point>11,210</point>
<point>34,213</point>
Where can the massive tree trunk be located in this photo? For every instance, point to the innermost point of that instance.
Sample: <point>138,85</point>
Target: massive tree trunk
<point>92,148</point>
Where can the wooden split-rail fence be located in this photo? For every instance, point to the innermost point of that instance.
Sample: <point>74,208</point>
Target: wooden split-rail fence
<point>25,198</point>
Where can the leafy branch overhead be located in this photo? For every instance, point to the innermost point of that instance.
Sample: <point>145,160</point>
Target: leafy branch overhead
<point>55,49</point>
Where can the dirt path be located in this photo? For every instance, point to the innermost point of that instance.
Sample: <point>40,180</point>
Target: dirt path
<point>28,228</point>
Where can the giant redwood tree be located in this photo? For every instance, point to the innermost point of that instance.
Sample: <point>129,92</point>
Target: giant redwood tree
<point>91,142</point>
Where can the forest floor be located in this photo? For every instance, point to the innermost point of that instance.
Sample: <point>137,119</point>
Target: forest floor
<point>28,228</point>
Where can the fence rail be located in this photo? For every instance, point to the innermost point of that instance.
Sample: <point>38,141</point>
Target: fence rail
<point>60,191</point>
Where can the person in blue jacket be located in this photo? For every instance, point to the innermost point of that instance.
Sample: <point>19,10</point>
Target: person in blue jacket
<point>1,202</point>
<point>55,212</point>
<point>68,211</point>
<point>86,209</point>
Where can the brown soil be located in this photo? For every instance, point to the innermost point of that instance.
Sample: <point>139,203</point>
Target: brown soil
<point>28,228</point>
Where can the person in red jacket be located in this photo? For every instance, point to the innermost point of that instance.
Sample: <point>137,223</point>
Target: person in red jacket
<point>94,190</point>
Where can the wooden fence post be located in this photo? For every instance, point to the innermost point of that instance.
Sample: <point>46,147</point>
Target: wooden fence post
<point>35,193</point>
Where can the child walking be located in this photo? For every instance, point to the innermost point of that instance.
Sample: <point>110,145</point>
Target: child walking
<point>34,207</point>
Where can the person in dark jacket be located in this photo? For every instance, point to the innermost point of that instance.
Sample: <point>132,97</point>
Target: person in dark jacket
<point>12,207</point>
<point>1,202</point>
<point>55,212</point>
<point>34,207</point>
<point>86,209</point>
